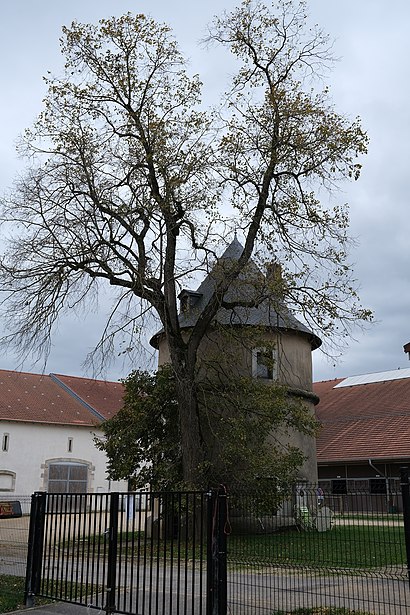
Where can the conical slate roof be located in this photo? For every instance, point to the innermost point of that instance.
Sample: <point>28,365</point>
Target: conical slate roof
<point>246,288</point>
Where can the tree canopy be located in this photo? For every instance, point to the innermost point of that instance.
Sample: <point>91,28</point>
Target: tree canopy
<point>132,183</point>
<point>143,440</point>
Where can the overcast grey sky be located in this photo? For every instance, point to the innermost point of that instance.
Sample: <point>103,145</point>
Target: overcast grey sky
<point>370,80</point>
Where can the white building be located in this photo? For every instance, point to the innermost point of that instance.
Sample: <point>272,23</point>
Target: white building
<point>47,428</point>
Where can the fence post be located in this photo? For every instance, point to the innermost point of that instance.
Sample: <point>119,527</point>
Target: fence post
<point>35,547</point>
<point>217,603</point>
<point>112,553</point>
<point>405,494</point>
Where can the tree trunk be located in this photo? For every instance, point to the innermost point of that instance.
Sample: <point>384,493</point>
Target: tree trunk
<point>193,453</point>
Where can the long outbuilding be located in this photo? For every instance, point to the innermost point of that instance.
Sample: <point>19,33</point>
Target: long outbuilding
<point>365,434</point>
<point>47,429</point>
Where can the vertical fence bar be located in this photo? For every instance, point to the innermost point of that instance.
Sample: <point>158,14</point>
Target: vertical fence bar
<point>35,547</point>
<point>211,497</point>
<point>48,549</point>
<point>112,553</point>
<point>217,602</point>
<point>201,549</point>
<point>405,494</point>
<point>222,551</point>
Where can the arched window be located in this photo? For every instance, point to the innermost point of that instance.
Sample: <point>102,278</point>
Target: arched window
<point>7,480</point>
<point>67,477</point>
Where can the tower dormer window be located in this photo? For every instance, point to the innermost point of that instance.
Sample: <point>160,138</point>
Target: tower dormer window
<point>187,300</point>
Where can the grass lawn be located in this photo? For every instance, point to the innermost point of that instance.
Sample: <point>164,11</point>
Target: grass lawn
<point>12,594</point>
<point>346,547</point>
<point>358,546</point>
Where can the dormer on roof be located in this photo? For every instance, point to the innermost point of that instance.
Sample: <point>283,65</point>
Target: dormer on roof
<point>270,313</point>
<point>188,299</point>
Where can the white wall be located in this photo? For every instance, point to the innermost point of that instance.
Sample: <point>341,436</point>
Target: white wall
<point>31,445</point>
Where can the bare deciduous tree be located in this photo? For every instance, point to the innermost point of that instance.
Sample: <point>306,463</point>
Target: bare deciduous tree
<point>131,183</point>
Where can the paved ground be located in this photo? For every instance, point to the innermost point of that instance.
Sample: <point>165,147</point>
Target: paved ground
<point>57,609</point>
<point>263,593</point>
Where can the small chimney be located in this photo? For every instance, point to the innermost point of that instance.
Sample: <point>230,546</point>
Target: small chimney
<point>274,272</point>
<point>406,349</point>
<point>274,280</point>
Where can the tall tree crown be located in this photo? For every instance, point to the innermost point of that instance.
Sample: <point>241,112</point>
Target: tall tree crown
<point>132,183</point>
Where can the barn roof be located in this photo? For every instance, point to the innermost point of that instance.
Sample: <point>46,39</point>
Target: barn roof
<point>366,417</point>
<point>59,400</point>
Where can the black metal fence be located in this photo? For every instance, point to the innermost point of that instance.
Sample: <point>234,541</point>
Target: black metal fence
<point>124,553</point>
<point>262,553</point>
<point>307,554</point>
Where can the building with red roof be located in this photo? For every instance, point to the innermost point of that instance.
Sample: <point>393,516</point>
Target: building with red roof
<point>48,424</point>
<point>47,429</point>
<point>365,435</point>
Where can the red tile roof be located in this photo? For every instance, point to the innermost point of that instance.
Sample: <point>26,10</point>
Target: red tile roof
<point>102,395</point>
<point>365,421</point>
<point>62,400</point>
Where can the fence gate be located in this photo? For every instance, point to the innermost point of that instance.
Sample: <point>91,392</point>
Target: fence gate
<point>140,553</point>
<point>289,550</point>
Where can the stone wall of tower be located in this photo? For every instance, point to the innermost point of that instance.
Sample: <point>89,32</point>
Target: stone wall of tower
<point>230,351</point>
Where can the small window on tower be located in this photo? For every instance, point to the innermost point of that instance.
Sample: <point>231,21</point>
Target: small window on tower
<point>70,445</point>
<point>263,364</point>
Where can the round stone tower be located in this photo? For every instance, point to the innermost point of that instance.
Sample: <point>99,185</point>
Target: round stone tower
<point>253,334</point>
